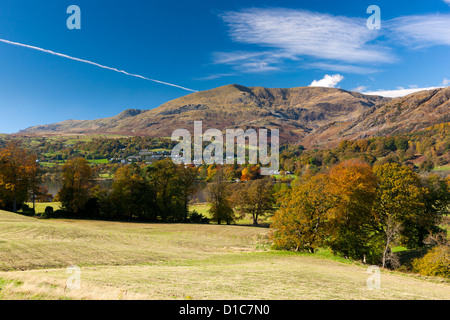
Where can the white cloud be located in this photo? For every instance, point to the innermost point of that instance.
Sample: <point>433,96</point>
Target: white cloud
<point>327,81</point>
<point>291,34</point>
<point>401,91</point>
<point>359,89</point>
<point>420,30</point>
<point>332,43</point>
<point>447,2</point>
<point>397,93</point>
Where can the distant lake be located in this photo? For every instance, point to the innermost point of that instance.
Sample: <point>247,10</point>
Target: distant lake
<point>53,186</point>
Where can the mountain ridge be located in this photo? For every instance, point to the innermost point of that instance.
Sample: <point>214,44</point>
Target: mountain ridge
<point>312,116</point>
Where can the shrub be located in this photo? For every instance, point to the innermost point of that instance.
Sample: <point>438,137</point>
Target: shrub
<point>435,263</point>
<point>196,217</point>
<point>27,211</point>
<point>48,212</point>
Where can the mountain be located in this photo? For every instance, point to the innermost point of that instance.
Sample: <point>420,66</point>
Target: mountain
<point>312,116</point>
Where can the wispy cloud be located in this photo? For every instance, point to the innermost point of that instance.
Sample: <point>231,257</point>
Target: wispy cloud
<point>341,68</point>
<point>214,76</point>
<point>324,41</point>
<point>306,33</point>
<point>420,31</point>
<point>294,34</point>
<point>328,81</point>
<point>249,62</point>
<point>92,63</point>
<point>447,2</point>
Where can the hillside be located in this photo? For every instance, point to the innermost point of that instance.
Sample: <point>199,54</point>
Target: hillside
<point>312,116</point>
<point>120,260</point>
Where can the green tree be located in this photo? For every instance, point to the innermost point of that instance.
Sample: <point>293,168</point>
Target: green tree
<point>132,195</point>
<point>173,185</point>
<point>186,176</point>
<point>400,201</point>
<point>435,196</point>
<point>219,197</point>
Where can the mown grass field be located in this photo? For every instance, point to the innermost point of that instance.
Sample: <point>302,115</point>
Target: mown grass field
<point>203,209</point>
<point>120,260</point>
<point>39,207</point>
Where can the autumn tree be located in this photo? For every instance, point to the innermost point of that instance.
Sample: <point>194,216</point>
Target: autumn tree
<point>19,175</point>
<point>300,222</point>
<point>246,175</point>
<point>254,198</point>
<point>352,190</point>
<point>76,185</point>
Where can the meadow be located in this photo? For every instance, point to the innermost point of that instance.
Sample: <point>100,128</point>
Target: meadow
<point>123,260</point>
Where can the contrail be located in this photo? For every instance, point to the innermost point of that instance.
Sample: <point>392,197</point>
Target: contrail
<point>92,63</point>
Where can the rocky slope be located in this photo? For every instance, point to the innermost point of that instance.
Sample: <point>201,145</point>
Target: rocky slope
<point>312,116</point>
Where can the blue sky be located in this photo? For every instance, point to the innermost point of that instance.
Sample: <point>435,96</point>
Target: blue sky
<point>201,45</point>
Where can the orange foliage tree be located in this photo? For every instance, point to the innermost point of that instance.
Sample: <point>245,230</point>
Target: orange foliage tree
<point>77,182</point>
<point>360,212</point>
<point>300,223</point>
<point>19,176</point>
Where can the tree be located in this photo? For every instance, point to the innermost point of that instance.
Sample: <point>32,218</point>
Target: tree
<point>254,198</point>
<point>186,176</point>
<point>436,200</point>
<point>426,165</point>
<point>300,222</point>
<point>19,175</point>
<point>132,196</point>
<point>173,185</point>
<point>218,195</point>
<point>76,184</point>
<point>246,175</point>
<point>399,203</point>
<point>352,188</point>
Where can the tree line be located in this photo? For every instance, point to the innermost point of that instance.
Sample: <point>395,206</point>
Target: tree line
<point>432,144</point>
<point>157,192</point>
<point>361,212</point>
<point>160,191</point>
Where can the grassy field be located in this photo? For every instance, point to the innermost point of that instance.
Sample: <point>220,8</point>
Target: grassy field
<point>39,207</point>
<point>203,208</point>
<point>98,161</point>
<point>120,260</point>
<point>442,168</point>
